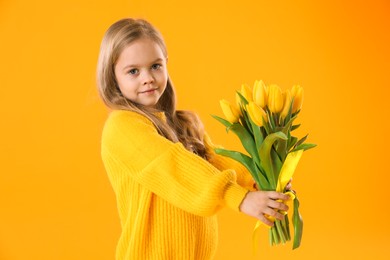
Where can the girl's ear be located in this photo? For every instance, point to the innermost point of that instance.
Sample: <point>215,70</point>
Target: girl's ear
<point>166,59</point>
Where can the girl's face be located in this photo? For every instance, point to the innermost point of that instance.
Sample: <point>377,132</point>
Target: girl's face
<point>141,72</point>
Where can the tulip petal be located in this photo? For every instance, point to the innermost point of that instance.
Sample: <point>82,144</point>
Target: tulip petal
<point>275,99</point>
<point>288,169</point>
<point>259,94</point>
<point>231,113</point>
<point>246,92</point>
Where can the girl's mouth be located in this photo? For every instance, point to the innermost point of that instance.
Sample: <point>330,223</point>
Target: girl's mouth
<point>149,91</point>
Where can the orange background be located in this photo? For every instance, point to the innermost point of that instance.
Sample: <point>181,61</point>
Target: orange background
<point>55,199</point>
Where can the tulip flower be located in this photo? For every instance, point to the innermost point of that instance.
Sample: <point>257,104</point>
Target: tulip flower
<point>287,104</point>
<point>260,94</point>
<point>275,99</point>
<point>231,113</point>
<point>297,95</point>
<point>246,92</point>
<point>256,113</point>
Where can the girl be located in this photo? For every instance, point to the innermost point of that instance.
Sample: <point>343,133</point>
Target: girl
<point>169,183</point>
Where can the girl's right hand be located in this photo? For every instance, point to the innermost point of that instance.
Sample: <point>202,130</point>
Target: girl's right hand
<point>259,203</point>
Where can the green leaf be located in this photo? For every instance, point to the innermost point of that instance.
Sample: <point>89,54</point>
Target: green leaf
<point>276,161</point>
<point>281,147</point>
<point>264,183</point>
<point>301,140</point>
<point>246,122</point>
<point>241,158</point>
<point>291,142</point>
<point>267,128</point>
<point>245,116</point>
<point>272,122</point>
<point>295,127</point>
<point>304,147</point>
<point>287,127</point>
<point>297,223</point>
<point>268,160</point>
<point>243,99</point>
<point>296,113</point>
<point>247,140</point>
<point>222,121</point>
<point>257,134</point>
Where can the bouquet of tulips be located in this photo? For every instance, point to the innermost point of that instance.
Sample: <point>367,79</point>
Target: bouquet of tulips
<point>263,120</point>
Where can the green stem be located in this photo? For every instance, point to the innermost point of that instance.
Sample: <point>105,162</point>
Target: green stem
<point>287,225</point>
<point>280,230</point>
<point>271,238</point>
<point>275,235</point>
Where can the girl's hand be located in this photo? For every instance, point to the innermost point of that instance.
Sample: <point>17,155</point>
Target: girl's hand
<point>289,185</point>
<point>259,203</point>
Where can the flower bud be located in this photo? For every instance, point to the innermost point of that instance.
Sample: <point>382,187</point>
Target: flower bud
<point>231,113</point>
<point>246,92</point>
<point>256,113</point>
<point>297,95</point>
<point>287,103</point>
<point>275,99</point>
<point>260,94</point>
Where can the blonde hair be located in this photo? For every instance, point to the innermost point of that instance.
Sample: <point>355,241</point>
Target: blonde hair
<point>180,126</point>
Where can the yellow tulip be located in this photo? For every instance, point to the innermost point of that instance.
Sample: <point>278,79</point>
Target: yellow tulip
<point>260,94</point>
<point>256,113</point>
<point>275,99</point>
<point>246,92</point>
<point>297,95</point>
<point>231,113</point>
<point>287,103</point>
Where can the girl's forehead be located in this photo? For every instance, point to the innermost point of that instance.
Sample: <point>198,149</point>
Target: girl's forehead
<point>142,51</point>
<point>143,45</point>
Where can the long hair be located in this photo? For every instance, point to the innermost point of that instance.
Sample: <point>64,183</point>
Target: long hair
<point>180,126</point>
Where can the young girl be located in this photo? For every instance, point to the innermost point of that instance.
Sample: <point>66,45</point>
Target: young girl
<point>169,183</point>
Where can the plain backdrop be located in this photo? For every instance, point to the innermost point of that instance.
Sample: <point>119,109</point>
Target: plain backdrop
<point>56,201</point>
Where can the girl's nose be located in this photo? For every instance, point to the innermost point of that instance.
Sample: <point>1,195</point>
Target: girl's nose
<point>147,79</point>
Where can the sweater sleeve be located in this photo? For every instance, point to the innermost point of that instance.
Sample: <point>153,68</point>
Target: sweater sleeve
<point>131,142</point>
<point>244,178</point>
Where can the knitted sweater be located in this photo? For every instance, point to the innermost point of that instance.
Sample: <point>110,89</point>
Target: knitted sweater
<point>167,197</point>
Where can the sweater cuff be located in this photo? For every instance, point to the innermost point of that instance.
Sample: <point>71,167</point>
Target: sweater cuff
<point>234,195</point>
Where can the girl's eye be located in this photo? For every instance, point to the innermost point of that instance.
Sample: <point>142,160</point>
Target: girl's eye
<point>133,71</point>
<point>156,66</point>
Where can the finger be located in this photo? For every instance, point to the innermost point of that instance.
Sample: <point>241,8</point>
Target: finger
<point>273,213</point>
<point>277,205</point>
<point>277,195</point>
<point>265,220</point>
<point>288,186</point>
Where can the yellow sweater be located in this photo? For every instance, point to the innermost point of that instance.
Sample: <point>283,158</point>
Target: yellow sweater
<point>167,197</point>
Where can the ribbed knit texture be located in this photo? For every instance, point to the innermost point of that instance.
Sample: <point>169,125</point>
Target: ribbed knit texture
<point>167,197</point>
